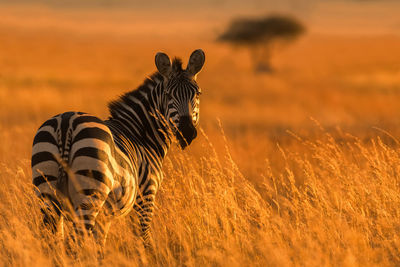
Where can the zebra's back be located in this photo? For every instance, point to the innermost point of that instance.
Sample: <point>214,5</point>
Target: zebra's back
<point>74,159</point>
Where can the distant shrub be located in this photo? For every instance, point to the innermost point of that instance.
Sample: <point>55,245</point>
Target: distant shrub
<point>260,34</point>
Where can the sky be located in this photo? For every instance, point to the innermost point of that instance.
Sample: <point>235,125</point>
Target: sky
<point>351,17</point>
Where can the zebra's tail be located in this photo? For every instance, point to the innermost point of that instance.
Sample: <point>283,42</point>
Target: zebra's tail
<point>63,173</point>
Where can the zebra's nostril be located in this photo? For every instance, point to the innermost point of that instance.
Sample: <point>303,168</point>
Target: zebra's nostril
<point>188,131</point>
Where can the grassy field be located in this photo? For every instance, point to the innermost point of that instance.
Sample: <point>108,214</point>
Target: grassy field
<point>297,168</point>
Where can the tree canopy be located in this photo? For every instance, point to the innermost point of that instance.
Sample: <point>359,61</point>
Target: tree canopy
<point>248,31</point>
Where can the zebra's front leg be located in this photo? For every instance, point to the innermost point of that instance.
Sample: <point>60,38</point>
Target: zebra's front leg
<point>145,210</point>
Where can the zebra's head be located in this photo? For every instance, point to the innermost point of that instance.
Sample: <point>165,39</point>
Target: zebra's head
<point>182,94</point>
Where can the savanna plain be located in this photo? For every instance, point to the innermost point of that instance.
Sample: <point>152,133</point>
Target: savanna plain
<point>299,167</point>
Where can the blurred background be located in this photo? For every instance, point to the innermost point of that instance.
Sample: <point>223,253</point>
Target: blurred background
<point>343,71</point>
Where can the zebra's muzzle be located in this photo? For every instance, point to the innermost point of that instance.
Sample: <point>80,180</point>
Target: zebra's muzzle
<point>187,131</point>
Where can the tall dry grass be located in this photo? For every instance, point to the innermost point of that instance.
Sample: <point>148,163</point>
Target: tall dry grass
<point>263,185</point>
<point>335,203</point>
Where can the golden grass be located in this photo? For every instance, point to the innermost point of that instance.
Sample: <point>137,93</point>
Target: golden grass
<point>275,189</point>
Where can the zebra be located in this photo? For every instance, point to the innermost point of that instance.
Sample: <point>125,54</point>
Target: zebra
<point>89,170</point>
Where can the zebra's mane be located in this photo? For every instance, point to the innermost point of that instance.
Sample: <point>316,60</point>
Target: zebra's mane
<point>138,93</point>
<point>148,84</point>
<point>177,65</point>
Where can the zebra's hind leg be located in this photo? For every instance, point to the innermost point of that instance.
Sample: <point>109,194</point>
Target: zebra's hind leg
<point>88,227</point>
<point>100,232</point>
<point>51,211</point>
<point>86,205</point>
<point>53,221</point>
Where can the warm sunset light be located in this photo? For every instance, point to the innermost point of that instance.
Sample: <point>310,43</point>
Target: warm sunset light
<point>218,133</point>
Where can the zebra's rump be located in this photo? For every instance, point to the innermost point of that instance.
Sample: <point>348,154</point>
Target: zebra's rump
<point>74,157</point>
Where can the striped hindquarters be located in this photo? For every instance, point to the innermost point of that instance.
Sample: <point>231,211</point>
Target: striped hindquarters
<point>46,153</point>
<point>74,153</point>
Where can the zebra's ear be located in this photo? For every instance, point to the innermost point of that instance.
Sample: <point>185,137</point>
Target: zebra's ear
<point>196,62</point>
<point>163,64</point>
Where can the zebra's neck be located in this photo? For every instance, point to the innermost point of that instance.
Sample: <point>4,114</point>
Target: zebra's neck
<point>137,120</point>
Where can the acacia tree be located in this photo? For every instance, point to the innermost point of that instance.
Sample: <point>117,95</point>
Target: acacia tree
<point>261,35</point>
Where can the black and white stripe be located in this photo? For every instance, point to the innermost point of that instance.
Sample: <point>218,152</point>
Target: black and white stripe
<point>93,170</point>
